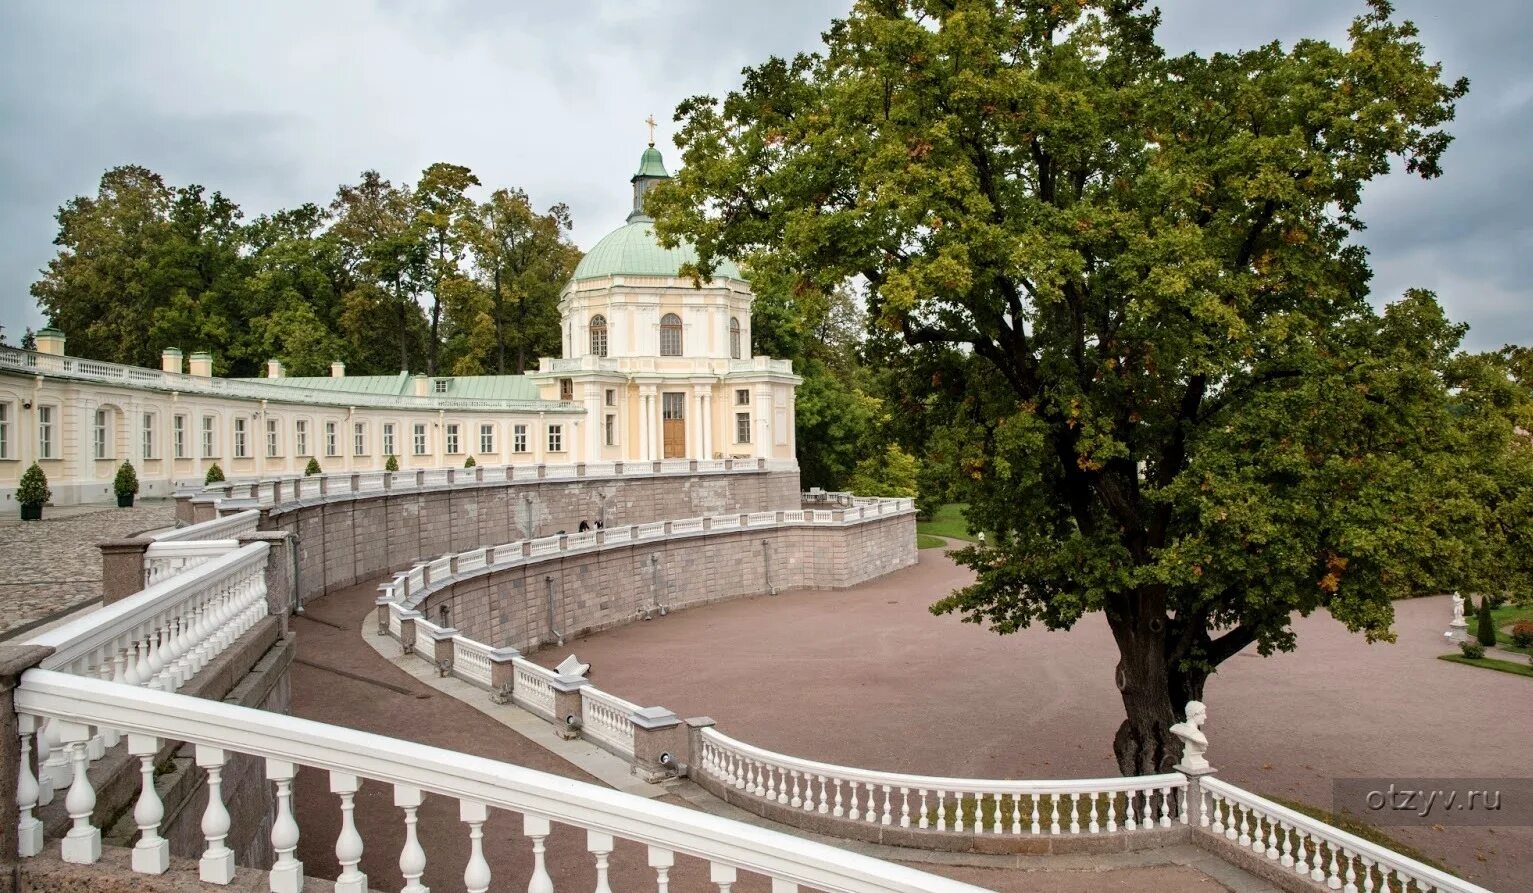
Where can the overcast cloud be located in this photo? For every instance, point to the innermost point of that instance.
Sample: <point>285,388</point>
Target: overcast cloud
<point>276,103</point>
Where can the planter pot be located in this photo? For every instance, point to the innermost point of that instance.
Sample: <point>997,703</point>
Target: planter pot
<point>125,500</point>
<point>32,512</point>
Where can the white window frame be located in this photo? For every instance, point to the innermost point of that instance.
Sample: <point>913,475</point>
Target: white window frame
<point>453,441</point>
<point>555,438</point>
<point>273,438</point>
<point>609,428</point>
<point>742,427</point>
<point>388,439</point>
<point>439,386</point>
<point>147,421</point>
<point>359,438</point>
<point>45,429</point>
<point>611,398</point>
<point>420,439</point>
<point>486,437</point>
<point>6,414</point>
<point>241,445</point>
<point>332,446</point>
<point>300,437</point>
<point>209,437</point>
<point>178,435</point>
<point>519,439</point>
<point>742,396</point>
<point>99,436</point>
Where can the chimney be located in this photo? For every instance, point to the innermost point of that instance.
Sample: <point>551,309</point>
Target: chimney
<point>50,341</point>
<point>337,369</point>
<point>273,368</point>
<point>420,384</point>
<point>170,360</point>
<point>201,364</point>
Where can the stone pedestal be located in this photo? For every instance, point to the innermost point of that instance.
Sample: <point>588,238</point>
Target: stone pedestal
<point>502,674</point>
<point>568,705</point>
<point>122,568</point>
<point>1194,803</point>
<point>659,737</point>
<point>442,649</point>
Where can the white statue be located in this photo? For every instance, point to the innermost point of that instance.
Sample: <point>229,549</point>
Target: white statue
<point>1458,613</point>
<point>1194,742</point>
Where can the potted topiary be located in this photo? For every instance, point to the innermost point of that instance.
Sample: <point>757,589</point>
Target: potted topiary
<point>215,474</point>
<point>469,462</point>
<point>125,485</point>
<point>392,463</point>
<point>312,467</point>
<point>32,491</point>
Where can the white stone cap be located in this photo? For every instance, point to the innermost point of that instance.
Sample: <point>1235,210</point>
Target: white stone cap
<point>654,718</point>
<point>503,655</point>
<point>440,634</point>
<point>568,683</point>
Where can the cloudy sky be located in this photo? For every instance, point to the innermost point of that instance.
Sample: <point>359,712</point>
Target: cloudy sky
<point>275,103</point>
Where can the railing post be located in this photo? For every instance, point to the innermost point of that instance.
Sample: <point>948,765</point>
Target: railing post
<point>383,602</point>
<point>568,706</point>
<point>122,568</point>
<point>407,630</point>
<point>442,649</point>
<point>502,674</point>
<point>661,747</point>
<point>1193,805</point>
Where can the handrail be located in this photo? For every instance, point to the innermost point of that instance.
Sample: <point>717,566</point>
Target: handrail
<point>470,779</point>
<point>1351,845</point>
<point>226,527</point>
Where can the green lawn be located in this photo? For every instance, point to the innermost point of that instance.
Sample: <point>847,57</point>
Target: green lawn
<point>928,541</point>
<point>949,522</point>
<point>1503,618</point>
<point>1490,663</point>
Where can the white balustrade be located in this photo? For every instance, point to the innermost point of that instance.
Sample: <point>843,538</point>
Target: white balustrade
<point>435,477</point>
<point>438,570</point>
<point>471,660</point>
<point>1327,856</point>
<point>166,559</point>
<point>524,473</point>
<point>957,805</point>
<point>675,466</point>
<point>566,470</point>
<point>761,519</point>
<point>795,516</point>
<point>370,482</point>
<point>310,487</point>
<point>687,525</point>
<point>649,531</point>
<point>218,730</point>
<point>724,522</point>
<point>600,469</point>
<point>611,536</point>
<point>708,466</point>
<point>606,719</point>
<point>532,688</point>
<point>227,527</point>
<point>472,562</point>
<point>544,545</point>
<point>582,540</point>
<point>821,516</point>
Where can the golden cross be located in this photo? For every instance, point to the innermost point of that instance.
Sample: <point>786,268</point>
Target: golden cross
<point>651,122</point>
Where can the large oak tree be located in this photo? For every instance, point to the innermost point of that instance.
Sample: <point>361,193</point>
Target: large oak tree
<point>1166,390</point>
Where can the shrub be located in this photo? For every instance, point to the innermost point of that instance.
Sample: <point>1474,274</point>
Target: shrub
<point>33,487</point>
<point>1485,628</point>
<point>1522,635</point>
<point>469,462</point>
<point>312,468</point>
<point>392,464</point>
<point>215,474</point>
<point>1472,650</point>
<point>126,482</point>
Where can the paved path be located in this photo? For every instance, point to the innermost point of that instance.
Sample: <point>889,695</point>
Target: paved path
<point>53,565</point>
<point>330,640</point>
<point>868,677</point>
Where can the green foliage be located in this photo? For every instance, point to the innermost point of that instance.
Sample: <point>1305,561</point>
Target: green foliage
<point>469,462</point>
<point>1522,635</point>
<point>32,489</point>
<point>1485,628</point>
<point>1472,649</point>
<point>214,475</point>
<point>928,541</point>
<point>392,463</point>
<point>949,521</point>
<point>29,339</point>
<point>126,481</point>
<point>312,468</point>
<point>1117,293</point>
<point>890,473</point>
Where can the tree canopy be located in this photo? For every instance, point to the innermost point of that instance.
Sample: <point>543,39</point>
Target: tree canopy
<point>1119,301</point>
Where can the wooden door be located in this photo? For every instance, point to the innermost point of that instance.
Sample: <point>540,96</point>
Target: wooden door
<point>673,412</point>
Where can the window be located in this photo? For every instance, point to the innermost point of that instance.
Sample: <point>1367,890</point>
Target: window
<point>239,438</point>
<point>556,438</point>
<point>611,397</point>
<point>519,439</point>
<point>100,434</point>
<point>452,439</point>
<point>5,430</point>
<point>208,437</point>
<point>45,432</point>
<point>734,338</point>
<point>742,427</point>
<point>486,438</point>
<point>178,436</point>
<point>147,435</point>
<point>331,448</point>
<point>670,335</point>
<point>388,438</point>
<point>420,439</point>
<point>599,335</point>
<point>609,426</point>
<point>566,389</point>
<point>743,397</point>
<point>272,443</point>
<point>439,385</point>
<point>301,437</point>
<point>358,439</point>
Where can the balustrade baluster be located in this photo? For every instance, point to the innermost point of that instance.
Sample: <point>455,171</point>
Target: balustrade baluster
<point>958,811</point>
<point>1054,822</point>
<point>151,855</point>
<point>217,863</point>
<point>348,845</point>
<point>904,807</point>
<point>795,801</point>
<point>1317,864</point>
<point>1333,877</point>
<point>1286,859</point>
<point>29,830</point>
<point>412,856</point>
<point>1036,827</point>
<point>1075,821</point>
<point>1092,825</point>
<point>1272,847</point>
<point>1367,875</point>
<point>1300,860</point>
<point>144,670</point>
<point>723,875</point>
<point>887,818</point>
<point>600,846</point>
<point>45,751</point>
<point>82,845</point>
<point>110,672</point>
<point>824,804</point>
<point>537,828</point>
<point>837,811</point>
<point>661,860</point>
<point>1350,880</point>
<point>942,810</point>
<point>286,874</point>
<point>476,874</point>
<point>1165,807</point>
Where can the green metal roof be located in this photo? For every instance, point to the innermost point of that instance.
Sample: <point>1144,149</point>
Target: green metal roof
<point>469,387</point>
<point>632,250</point>
<point>389,385</point>
<point>651,164</point>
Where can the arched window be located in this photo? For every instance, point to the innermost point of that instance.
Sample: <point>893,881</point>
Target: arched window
<point>670,335</point>
<point>599,335</point>
<point>734,338</point>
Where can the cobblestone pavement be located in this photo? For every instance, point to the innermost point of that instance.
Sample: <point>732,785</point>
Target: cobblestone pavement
<point>51,565</point>
<point>868,677</point>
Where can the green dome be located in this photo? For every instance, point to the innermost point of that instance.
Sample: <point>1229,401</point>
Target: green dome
<point>651,164</point>
<point>632,250</point>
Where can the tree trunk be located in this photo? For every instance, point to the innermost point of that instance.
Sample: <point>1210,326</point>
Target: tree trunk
<point>431,348</point>
<point>1144,744</point>
<point>500,328</point>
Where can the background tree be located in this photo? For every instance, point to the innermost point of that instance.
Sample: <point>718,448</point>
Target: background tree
<point>442,207</point>
<point>1178,407</point>
<point>382,251</point>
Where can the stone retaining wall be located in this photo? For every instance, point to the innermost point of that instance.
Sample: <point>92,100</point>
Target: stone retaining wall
<point>347,538</point>
<point>610,586</point>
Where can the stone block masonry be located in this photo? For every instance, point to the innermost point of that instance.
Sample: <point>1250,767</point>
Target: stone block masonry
<point>347,538</point>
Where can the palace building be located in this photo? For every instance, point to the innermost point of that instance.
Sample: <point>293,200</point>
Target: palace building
<point>655,365</point>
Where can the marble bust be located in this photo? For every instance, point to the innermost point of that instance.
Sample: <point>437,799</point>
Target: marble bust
<point>1194,742</point>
